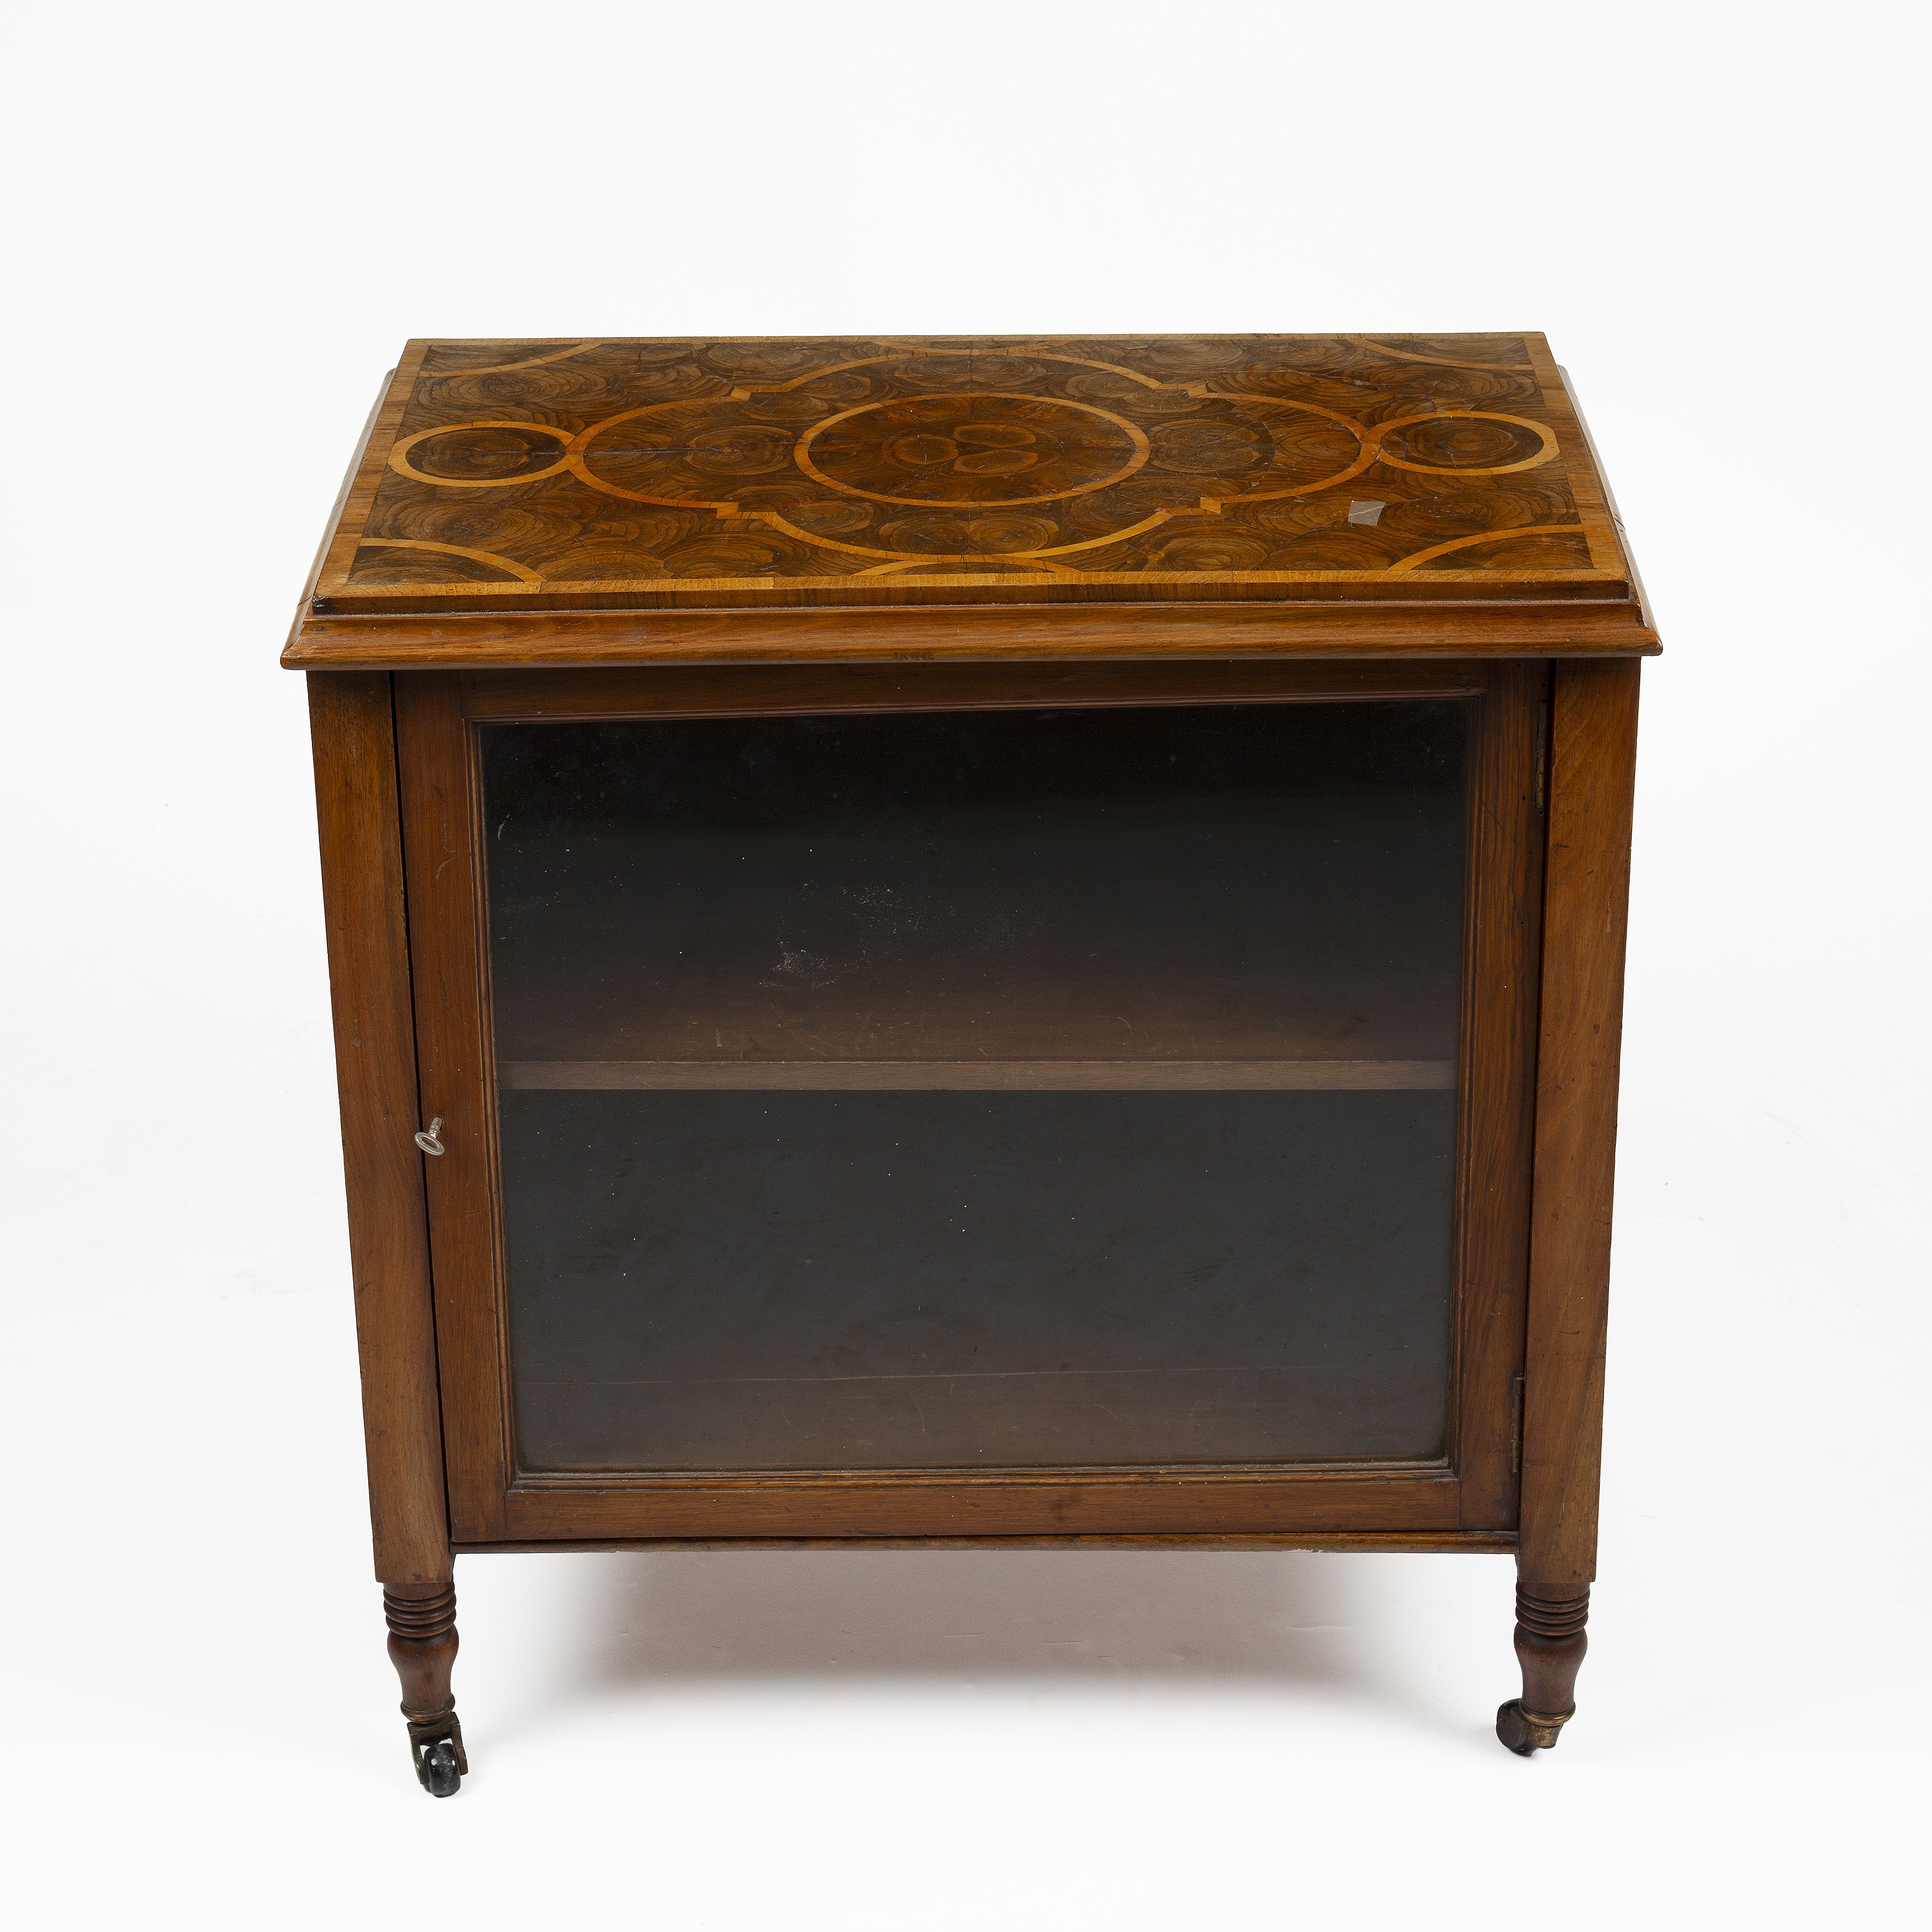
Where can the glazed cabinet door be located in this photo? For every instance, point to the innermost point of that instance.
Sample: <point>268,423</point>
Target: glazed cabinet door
<point>977,1101</point>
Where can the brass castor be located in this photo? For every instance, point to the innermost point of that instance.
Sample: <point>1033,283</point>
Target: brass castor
<point>1526,1733</point>
<point>436,1745</point>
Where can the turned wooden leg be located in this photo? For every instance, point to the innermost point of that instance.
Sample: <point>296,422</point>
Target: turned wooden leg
<point>1550,1645</point>
<point>422,1646</point>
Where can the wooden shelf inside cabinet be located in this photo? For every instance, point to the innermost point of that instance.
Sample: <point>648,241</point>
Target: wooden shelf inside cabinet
<point>1039,1076</point>
<point>967,941</point>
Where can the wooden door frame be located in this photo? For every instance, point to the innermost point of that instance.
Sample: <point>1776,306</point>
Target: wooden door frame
<point>1468,1500</point>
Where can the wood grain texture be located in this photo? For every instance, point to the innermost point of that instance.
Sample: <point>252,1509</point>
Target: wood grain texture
<point>710,691</point>
<point>1592,765</point>
<point>1494,1135</point>
<point>1021,631</point>
<point>1550,1644</point>
<point>718,474</point>
<point>451,995</point>
<point>1283,1502</point>
<point>422,1646</point>
<point>352,729</point>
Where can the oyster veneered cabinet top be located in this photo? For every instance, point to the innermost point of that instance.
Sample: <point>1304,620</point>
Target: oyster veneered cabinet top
<point>505,478</point>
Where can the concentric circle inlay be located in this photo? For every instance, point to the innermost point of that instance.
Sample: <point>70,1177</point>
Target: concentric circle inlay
<point>971,452</point>
<point>480,455</point>
<point>1465,443</point>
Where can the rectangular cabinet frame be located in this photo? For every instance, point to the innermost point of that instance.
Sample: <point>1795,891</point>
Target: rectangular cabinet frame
<point>427,790</point>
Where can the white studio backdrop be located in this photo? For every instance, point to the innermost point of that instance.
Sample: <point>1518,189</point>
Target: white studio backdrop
<point>226,221</point>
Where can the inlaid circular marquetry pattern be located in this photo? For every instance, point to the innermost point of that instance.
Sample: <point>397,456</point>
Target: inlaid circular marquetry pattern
<point>647,466</point>
<point>975,451</point>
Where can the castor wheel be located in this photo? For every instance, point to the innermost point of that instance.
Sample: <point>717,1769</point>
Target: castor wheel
<point>442,1776</point>
<point>1526,1733</point>
<point>436,1750</point>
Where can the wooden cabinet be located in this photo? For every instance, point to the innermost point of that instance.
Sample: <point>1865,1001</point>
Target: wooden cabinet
<point>977,941</point>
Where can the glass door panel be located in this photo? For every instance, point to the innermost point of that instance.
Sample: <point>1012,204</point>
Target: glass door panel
<point>978,1089</point>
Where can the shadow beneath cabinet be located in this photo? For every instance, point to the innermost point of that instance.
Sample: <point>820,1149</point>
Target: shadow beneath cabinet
<point>1285,1618</point>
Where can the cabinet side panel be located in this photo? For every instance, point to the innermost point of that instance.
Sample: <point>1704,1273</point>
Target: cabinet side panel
<point>1499,1058</point>
<point>352,729</point>
<point>1592,769</point>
